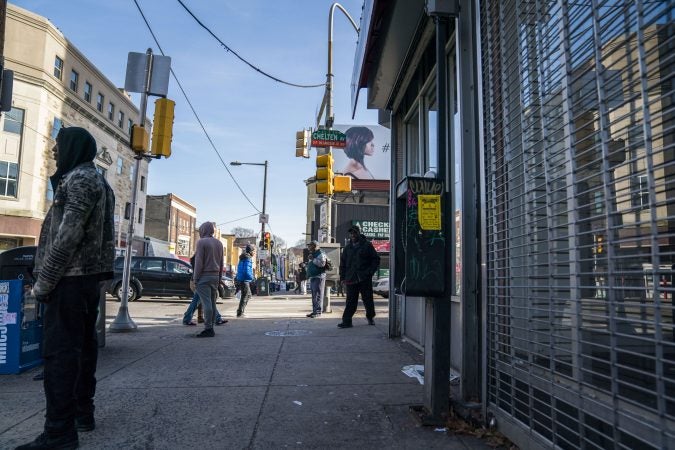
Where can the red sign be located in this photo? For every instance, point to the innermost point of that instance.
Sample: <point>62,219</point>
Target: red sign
<point>381,246</point>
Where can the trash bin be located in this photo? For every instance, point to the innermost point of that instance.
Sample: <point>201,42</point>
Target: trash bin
<point>20,321</point>
<point>262,286</point>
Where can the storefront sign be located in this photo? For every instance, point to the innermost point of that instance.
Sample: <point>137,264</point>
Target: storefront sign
<point>373,229</point>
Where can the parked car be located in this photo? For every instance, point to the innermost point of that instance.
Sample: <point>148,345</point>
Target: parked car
<point>381,286</point>
<point>227,287</point>
<point>159,277</point>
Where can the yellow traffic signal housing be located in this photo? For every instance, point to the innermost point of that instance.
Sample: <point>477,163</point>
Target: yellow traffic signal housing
<point>324,174</point>
<point>139,139</point>
<point>268,237</point>
<point>162,128</point>
<point>302,144</point>
<point>342,183</point>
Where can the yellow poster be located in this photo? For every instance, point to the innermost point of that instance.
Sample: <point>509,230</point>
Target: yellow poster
<point>429,212</point>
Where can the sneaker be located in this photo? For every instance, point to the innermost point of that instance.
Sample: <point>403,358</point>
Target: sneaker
<point>44,442</point>
<point>191,323</point>
<point>221,321</point>
<point>85,423</point>
<point>344,325</point>
<point>206,333</point>
<point>314,315</point>
<point>371,322</point>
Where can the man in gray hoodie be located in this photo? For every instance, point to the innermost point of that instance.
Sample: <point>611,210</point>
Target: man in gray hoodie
<point>207,273</point>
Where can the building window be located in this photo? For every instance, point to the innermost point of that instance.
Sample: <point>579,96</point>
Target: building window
<point>58,67</point>
<point>56,127</point>
<point>74,77</point>
<point>142,183</point>
<point>130,126</point>
<point>132,172</point>
<point>87,91</point>
<point>8,178</point>
<point>111,111</point>
<point>120,165</point>
<point>14,121</point>
<point>140,215</point>
<point>50,192</point>
<point>99,102</point>
<point>639,192</point>
<point>120,119</point>
<point>102,170</point>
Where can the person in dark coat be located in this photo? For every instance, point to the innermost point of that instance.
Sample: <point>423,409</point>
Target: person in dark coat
<point>75,255</point>
<point>358,264</point>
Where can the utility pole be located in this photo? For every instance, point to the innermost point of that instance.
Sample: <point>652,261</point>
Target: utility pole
<point>328,102</point>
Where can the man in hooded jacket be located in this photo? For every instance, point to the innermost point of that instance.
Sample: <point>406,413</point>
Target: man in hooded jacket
<point>208,270</point>
<point>75,254</point>
<point>358,263</point>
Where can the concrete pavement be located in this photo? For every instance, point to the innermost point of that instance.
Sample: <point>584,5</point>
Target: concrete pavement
<point>272,380</point>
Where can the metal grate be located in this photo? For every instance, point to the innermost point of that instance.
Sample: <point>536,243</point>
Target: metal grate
<point>579,132</point>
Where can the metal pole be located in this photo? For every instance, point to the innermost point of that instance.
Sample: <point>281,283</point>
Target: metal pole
<point>123,321</point>
<point>329,124</point>
<point>263,211</point>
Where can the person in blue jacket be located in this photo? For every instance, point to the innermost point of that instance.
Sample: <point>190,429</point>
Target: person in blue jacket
<point>245,277</point>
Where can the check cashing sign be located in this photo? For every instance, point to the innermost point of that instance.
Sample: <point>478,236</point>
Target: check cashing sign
<point>373,229</point>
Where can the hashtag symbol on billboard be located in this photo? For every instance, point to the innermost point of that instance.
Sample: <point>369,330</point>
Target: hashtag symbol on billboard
<point>385,148</point>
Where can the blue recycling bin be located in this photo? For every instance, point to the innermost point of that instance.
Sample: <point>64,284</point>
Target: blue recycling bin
<point>20,328</point>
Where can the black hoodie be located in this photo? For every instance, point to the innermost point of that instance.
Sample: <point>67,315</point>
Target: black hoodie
<point>76,146</point>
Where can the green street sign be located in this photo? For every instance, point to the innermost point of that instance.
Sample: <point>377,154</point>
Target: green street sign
<point>329,138</point>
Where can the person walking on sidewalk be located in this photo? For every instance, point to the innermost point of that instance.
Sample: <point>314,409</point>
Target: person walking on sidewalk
<point>316,272</point>
<point>75,254</point>
<point>301,277</point>
<point>190,311</point>
<point>245,277</point>
<point>208,270</point>
<point>358,264</point>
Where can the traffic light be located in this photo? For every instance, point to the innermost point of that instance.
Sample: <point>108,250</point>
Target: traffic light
<point>139,139</point>
<point>324,174</point>
<point>162,127</point>
<point>267,240</point>
<point>342,183</point>
<point>302,144</point>
<point>599,240</point>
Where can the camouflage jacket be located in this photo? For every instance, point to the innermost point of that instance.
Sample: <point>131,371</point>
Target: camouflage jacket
<point>78,234</point>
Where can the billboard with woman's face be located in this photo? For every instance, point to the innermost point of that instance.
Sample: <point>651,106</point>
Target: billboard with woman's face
<point>367,153</point>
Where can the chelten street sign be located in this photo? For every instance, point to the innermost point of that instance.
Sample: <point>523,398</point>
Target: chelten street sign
<point>329,138</point>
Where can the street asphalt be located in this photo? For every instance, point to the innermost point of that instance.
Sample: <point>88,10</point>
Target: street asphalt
<point>274,379</point>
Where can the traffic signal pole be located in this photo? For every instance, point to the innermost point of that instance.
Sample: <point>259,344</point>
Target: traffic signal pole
<point>123,321</point>
<point>328,97</point>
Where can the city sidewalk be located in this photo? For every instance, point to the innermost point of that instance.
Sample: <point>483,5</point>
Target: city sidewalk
<point>272,380</point>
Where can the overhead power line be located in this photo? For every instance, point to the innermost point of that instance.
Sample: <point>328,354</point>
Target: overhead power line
<point>208,137</point>
<point>257,69</point>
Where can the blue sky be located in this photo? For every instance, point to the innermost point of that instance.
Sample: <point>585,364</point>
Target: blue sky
<point>249,117</point>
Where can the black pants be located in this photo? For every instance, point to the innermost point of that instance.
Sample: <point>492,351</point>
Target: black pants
<point>70,351</point>
<point>245,288</point>
<point>366,289</point>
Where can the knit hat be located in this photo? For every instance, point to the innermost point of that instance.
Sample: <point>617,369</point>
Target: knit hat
<point>250,248</point>
<point>314,243</point>
<point>355,229</point>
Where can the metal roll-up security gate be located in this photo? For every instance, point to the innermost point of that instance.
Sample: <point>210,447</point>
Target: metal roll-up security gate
<point>579,157</point>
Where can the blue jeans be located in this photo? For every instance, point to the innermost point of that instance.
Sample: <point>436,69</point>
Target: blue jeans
<point>317,285</point>
<point>187,317</point>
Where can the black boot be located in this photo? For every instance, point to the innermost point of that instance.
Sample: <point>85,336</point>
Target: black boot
<point>45,441</point>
